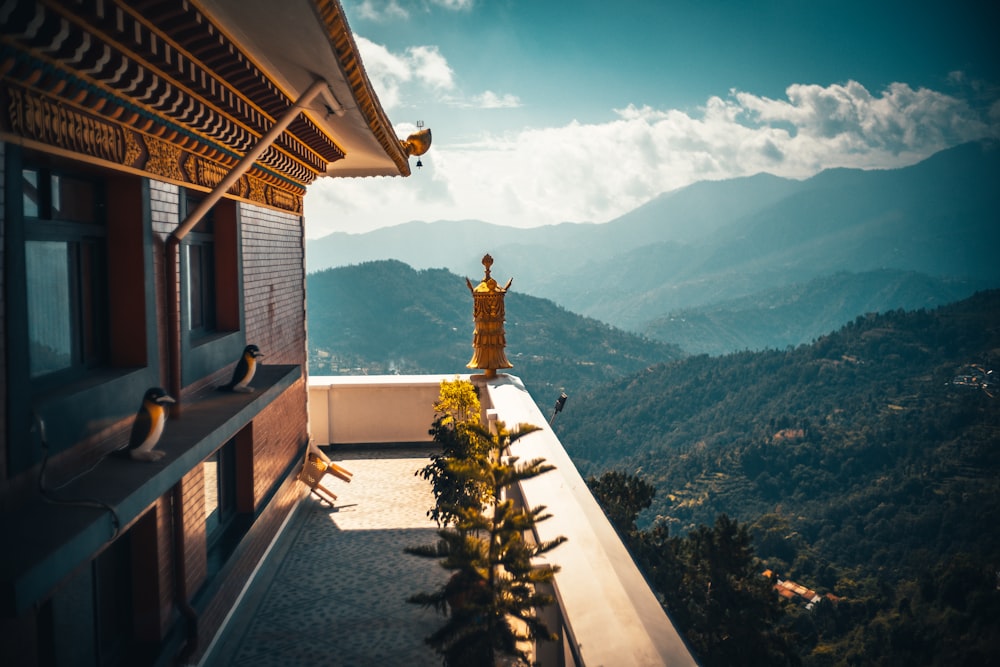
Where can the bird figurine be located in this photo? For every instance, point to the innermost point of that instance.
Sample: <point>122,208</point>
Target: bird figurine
<point>148,425</point>
<point>245,369</point>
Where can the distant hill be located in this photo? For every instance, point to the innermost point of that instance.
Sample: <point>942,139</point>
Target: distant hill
<point>863,441</point>
<point>865,465</point>
<point>797,313</point>
<point>540,255</point>
<point>386,317</point>
<point>713,242</point>
<point>940,218</point>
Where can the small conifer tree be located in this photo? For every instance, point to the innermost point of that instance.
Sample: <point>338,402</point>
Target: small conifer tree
<point>457,410</point>
<point>492,596</point>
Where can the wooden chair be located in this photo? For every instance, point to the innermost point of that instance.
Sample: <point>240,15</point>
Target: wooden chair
<point>315,469</point>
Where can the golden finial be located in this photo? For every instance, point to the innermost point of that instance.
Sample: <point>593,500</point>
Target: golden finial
<point>488,338</point>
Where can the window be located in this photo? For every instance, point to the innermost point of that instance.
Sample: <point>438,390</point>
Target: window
<point>65,271</point>
<point>200,278</point>
<point>210,266</point>
<point>80,299</point>
<point>211,289</point>
<point>113,612</point>
<point>220,491</point>
<point>107,613</point>
<point>229,504</point>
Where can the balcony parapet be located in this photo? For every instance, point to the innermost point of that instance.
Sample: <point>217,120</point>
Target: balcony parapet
<point>373,409</point>
<point>610,615</point>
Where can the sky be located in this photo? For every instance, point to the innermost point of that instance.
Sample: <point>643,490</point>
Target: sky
<point>552,111</point>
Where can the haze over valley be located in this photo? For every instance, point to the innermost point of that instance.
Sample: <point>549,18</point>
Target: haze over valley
<point>747,263</point>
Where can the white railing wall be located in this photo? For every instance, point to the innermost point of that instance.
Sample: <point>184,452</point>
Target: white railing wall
<point>372,409</point>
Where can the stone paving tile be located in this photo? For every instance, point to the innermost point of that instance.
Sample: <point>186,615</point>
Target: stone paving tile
<point>334,590</point>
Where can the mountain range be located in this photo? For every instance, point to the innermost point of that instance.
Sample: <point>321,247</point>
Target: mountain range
<point>718,254</point>
<point>386,317</point>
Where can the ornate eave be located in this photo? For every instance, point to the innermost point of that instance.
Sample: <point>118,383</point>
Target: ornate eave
<point>181,92</point>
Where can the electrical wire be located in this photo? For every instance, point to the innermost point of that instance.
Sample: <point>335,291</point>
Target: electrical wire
<point>47,493</point>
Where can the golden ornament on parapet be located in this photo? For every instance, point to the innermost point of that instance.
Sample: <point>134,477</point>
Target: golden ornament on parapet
<point>488,338</point>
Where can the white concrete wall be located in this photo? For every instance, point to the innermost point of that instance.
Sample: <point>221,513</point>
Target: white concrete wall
<point>372,409</point>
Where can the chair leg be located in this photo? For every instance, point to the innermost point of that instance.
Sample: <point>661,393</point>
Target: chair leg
<point>324,494</point>
<point>337,471</point>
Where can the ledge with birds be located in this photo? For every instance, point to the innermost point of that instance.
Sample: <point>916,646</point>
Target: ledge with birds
<point>73,533</point>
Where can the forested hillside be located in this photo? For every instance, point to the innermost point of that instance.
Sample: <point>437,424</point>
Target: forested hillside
<point>385,317</point>
<point>867,464</point>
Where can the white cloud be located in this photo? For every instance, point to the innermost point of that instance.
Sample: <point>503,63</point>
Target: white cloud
<point>596,172</point>
<point>392,74</point>
<point>430,67</point>
<point>491,100</point>
<point>392,10</point>
<point>422,73</point>
<point>381,11</point>
<point>386,70</point>
<point>454,4</point>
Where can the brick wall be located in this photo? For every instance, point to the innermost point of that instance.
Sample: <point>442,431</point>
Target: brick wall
<point>164,206</point>
<point>279,434</point>
<point>274,284</point>
<point>252,550</point>
<point>278,437</point>
<point>165,560</point>
<point>274,319</point>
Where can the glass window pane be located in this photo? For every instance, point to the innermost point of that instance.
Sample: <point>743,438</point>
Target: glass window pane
<point>31,194</point>
<point>50,324</point>
<point>195,288</point>
<point>208,286</point>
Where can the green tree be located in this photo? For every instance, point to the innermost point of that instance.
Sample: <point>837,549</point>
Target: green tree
<point>725,607</point>
<point>456,411</point>
<point>622,497</point>
<point>492,596</point>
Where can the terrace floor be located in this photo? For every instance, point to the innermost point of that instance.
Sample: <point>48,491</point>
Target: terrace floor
<point>333,589</point>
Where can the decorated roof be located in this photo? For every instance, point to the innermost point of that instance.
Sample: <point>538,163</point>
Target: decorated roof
<point>181,90</point>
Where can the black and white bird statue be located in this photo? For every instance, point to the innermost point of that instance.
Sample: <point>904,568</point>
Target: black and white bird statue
<point>148,425</point>
<point>244,372</point>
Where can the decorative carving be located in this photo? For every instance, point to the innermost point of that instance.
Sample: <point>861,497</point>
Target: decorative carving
<point>134,149</point>
<point>488,338</point>
<point>164,159</point>
<point>36,117</point>
<point>284,200</point>
<point>242,187</point>
<point>207,173</point>
<point>191,168</point>
<point>258,190</point>
<point>50,122</point>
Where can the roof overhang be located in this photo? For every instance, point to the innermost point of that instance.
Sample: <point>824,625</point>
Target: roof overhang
<point>183,91</point>
<point>297,42</point>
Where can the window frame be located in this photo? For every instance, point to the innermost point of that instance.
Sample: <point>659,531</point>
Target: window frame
<point>76,405</point>
<point>89,347</point>
<point>233,480</point>
<point>201,285</point>
<point>206,350</point>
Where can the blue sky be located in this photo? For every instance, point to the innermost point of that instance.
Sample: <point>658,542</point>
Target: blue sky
<point>551,111</point>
